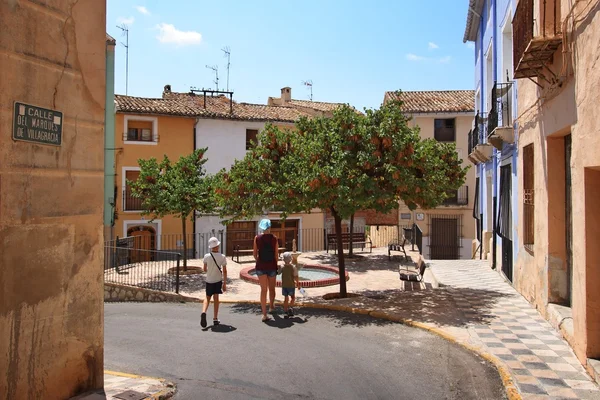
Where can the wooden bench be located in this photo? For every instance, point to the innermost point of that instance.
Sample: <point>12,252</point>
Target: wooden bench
<point>357,238</point>
<point>399,246</point>
<point>246,247</point>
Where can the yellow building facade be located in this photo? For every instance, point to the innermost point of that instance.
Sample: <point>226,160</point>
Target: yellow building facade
<point>145,136</point>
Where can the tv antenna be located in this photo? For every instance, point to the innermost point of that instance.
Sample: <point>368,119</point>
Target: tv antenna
<point>125,29</point>
<point>216,71</point>
<point>309,85</point>
<point>227,53</point>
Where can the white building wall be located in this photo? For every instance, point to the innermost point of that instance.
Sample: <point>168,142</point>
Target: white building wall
<point>225,139</point>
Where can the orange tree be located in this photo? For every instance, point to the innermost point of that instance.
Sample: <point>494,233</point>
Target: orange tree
<point>178,189</point>
<point>344,163</point>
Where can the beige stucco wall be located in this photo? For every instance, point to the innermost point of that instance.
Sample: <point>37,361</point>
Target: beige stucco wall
<point>52,55</point>
<point>545,116</point>
<point>463,124</point>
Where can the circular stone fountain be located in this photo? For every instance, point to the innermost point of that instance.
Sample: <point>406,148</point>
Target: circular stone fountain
<point>311,275</point>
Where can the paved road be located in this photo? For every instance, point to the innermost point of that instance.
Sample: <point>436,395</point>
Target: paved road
<point>315,355</point>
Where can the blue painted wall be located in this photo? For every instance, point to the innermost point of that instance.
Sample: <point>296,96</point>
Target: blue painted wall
<point>489,44</point>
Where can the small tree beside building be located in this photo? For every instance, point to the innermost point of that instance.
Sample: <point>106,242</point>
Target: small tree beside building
<point>179,189</point>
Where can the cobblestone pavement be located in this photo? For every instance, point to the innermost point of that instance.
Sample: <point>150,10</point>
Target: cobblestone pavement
<point>117,384</point>
<point>541,362</point>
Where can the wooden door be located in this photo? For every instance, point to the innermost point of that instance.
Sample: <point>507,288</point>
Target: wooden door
<point>240,233</point>
<point>443,239</point>
<point>286,232</point>
<point>144,242</point>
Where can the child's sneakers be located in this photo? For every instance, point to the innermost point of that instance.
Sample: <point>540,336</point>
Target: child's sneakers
<point>290,312</point>
<point>216,322</point>
<point>203,320</point>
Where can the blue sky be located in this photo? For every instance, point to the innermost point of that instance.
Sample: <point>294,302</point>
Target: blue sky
<point>352,51</point>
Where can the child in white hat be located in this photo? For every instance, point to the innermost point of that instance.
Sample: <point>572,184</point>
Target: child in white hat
<point>216,279</point>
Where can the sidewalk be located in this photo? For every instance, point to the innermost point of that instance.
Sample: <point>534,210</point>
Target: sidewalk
<point>121,386</point>
<point>476,307</point>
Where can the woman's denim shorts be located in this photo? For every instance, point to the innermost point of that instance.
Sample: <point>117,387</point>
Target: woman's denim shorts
<point>270,274</point>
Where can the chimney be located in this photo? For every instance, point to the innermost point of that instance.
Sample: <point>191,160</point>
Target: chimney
<point>286,94</point>
<point>167,89</point>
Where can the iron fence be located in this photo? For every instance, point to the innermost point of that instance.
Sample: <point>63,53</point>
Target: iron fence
<point>131,203</point>
<point>418,235</point>
<point>148,269</point>
<point>501,112</point>
<point>476,135</point>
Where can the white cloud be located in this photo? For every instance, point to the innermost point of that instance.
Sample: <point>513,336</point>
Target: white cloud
<point>414,57</point>
<point>432,46</point>
<point>471,45</point>
<point>126,21</point>
<point>169,34</point>
<point>142,10</point>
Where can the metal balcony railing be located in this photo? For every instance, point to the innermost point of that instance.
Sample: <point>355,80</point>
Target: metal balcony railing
<point>131,203</point>
<point>470,139</point>
<point>501,110</point>
<point>458,198</point>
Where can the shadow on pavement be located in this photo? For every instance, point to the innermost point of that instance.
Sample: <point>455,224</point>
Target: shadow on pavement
<point>282,323</point>
<point>221,328</point>
<point>444,306</point>
<point>304,315</point>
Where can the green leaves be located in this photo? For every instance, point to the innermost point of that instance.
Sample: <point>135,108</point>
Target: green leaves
<point>176,189</point>
<point>348,162</point>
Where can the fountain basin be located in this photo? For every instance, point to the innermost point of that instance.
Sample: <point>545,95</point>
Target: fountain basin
<point>311,275</point>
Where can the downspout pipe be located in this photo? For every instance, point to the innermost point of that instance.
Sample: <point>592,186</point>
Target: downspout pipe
<point>194,224</point>
<point>495,151</point>
<point>480,166</point>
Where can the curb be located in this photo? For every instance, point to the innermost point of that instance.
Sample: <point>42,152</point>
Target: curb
<point>511,390</point>
<point>164,394</point>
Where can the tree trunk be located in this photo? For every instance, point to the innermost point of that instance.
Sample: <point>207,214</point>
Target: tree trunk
<point>340,245</point>
<point>183,220</point>
<point>350,252</point>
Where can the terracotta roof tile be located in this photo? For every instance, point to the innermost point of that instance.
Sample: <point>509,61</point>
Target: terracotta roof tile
<point>219,107</point>
<point>142,105</point>
<point>315,105</point>
<point>192,105</point>
<point>443,101</point>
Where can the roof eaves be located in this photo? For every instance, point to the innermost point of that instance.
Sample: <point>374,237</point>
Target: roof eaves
<point>473,18</point>
<point>110,40</point>
<point>424,113</point>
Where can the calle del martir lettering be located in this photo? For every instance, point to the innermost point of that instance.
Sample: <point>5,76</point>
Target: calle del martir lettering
<point>36,124</point>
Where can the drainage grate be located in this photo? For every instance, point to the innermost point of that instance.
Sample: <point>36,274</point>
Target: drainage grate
<point>131,395</point>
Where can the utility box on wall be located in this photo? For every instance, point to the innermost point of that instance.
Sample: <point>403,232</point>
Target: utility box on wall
<point>52,102</point>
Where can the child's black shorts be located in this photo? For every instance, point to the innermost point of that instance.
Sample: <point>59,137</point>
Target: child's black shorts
<point>214,288</point>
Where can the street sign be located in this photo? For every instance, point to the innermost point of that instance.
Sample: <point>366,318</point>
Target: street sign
<point>37,125</point>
